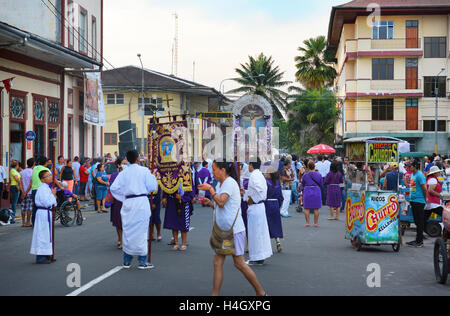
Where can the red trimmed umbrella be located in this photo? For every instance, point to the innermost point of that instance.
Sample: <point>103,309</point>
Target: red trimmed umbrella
<point>322,149</point>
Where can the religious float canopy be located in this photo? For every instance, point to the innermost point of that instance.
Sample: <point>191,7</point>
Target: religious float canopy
<point>253,118</point>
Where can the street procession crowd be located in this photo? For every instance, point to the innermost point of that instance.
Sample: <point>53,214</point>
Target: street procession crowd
<point>250,201</point>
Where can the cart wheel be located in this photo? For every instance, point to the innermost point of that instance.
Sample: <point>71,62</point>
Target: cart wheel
<point>396,247</point>
<point>433,229</point>
<point>441,261</point>
<point>357,244</point>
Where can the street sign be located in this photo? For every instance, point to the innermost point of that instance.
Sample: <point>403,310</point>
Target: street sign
<point>30,136</point>
<point>215,115</point>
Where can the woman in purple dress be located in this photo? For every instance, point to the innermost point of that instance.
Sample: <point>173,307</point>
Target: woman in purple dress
<point>179,209</point>
<point>312,184</point>
<point>116,205</point>
<point>203,176</point>
<point>273,204</point>
<point>334,197</point>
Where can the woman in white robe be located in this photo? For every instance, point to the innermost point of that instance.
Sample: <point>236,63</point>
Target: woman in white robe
<point>42,243</point>
<point>259,245</point>
<point>132,187</point>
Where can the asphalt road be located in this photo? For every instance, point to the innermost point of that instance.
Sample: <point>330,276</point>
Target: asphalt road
<point>313,262</point>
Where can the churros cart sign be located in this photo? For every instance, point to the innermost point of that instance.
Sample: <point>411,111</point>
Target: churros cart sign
<point>383,152</point>
<point>374,216</point>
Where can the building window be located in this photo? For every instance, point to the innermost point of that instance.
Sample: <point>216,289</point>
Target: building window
<point>117,99</point>
<point>39,110</point>
<point>18,108</point>
<point>94,37</point>
<point>412,103</point>
<point>382,109</point>
<point>70,31</point>
<point>53,112</point>
<point>383,30</point>
<point>435,47</point>
<point>70,98</point>
<point>429,126</point>
<point>430,86</point>
<point>382,69</point>
<point>83,30</point>
<point>110,139</point>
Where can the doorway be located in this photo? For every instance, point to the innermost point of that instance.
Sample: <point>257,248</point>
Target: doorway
<point>17,142</point>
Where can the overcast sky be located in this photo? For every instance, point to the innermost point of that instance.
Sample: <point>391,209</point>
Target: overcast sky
<point>217,35</point>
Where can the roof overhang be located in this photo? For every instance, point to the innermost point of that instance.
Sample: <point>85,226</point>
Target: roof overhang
<point>39,48</point>
<point>341,15</point>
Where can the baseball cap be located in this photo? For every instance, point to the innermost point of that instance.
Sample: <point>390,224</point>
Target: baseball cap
<point>394,165</point>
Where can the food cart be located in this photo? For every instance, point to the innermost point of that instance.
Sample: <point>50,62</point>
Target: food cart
<point>372,215</point>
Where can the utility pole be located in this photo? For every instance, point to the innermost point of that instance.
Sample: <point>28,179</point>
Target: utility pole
<point>142,108</point>
<point>436,121</point>
<point>175,48</point>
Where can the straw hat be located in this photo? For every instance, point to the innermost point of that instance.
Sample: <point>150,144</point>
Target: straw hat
<point>434,169</point>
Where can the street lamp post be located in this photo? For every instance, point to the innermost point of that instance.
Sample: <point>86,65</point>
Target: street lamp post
<point>436,121</point>
<point>142,107</point>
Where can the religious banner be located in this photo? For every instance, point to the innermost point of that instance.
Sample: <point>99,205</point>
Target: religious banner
<point>94,109</point>
<point>171,170</point>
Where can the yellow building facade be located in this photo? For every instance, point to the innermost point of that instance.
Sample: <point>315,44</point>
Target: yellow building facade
<point>388,68</point>
<point>122,89</point>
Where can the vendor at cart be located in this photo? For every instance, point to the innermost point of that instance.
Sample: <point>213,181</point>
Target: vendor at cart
<point>392,177</point>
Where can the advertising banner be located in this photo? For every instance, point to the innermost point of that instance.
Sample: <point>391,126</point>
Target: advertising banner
<point>383,152</point>
<point>94,105</point>
<point>171,170</point>
<point>373,217</point>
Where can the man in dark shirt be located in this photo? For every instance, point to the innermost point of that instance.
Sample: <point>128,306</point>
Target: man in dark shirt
<point>393,177</point>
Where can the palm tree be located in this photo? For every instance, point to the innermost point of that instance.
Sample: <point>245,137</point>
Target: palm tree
<point>314,70</point>
<point>260,77</point>
<point>312,118</point>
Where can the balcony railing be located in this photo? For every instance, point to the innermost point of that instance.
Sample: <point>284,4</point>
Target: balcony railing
<point>395,126</point>
<point>396,84</point>
<point>396,43</point>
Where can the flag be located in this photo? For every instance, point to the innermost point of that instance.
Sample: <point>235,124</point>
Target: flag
<point>7,83</point>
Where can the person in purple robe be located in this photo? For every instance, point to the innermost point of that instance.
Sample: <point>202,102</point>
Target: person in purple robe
<point>312,184</point>
<point>273,204</point>
<point>179,209</point>
<point>334,197</point>
<point>203,176</point>
<point>116,205</point>
<point>155,220</point>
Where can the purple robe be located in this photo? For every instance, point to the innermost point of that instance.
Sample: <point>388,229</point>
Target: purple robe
<point>204,176</point>
<point>312,184</point>
<point>178,215</point>
<point>273,204</point>
<point>156,214</point>
<point>334,196</point>
<point>116,206</point>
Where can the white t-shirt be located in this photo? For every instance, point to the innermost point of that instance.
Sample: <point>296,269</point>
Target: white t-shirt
<point>76,166</point>
<point>323,168</point>
<point>225,216</point>
<point>3,174</point>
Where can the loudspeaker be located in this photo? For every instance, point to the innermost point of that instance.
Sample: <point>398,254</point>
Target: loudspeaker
<point>126,132</point>
<point>125,147</point>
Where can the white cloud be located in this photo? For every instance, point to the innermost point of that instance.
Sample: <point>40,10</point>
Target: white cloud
<point>217,46</point>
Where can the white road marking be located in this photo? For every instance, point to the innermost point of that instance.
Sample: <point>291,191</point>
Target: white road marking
<point>94,282</point>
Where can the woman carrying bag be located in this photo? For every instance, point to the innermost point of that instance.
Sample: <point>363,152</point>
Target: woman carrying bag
<point>228,237</point>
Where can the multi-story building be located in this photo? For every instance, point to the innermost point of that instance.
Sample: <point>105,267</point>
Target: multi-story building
<point>390,62</point>
<point>44,45</point>
<point>122,88</point>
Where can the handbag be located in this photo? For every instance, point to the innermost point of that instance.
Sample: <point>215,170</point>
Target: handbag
<point>222,241</point>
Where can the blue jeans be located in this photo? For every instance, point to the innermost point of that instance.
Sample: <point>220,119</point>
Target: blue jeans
<point>14,198</point>
<point>294,191</point>
<point>128,258</point>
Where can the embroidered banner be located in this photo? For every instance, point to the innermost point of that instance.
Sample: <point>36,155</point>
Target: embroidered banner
<point>170,143</point>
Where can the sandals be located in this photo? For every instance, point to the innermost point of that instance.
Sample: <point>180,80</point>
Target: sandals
<point>183,248</point>
<point>176,248</point>
<point>279,248</point>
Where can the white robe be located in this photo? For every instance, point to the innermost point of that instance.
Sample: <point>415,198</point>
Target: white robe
<point>135,212</point>
<point>41,244</point>
<point>259,245</point>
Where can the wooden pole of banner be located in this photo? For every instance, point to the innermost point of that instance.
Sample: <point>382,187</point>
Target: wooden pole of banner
<point>152,159</point>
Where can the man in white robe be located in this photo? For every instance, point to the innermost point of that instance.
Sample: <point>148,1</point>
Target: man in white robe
<point>42,243</point>
<point>259,245</point>
<point>132,187</point>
